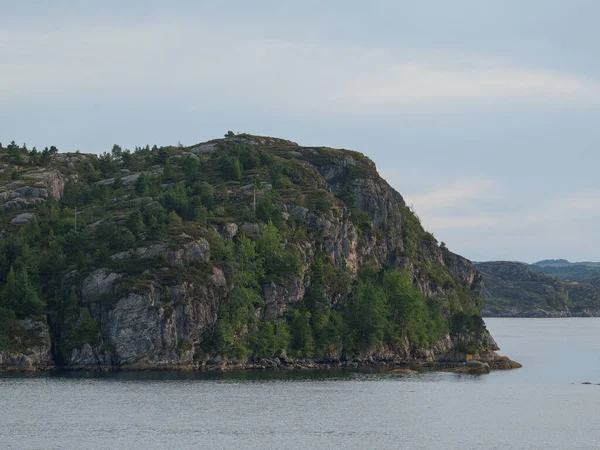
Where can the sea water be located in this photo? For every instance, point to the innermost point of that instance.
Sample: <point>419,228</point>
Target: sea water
<point>544,405</point>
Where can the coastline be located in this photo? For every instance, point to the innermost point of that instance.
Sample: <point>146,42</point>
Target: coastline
<point>542,314</point>
<point>285,364</point>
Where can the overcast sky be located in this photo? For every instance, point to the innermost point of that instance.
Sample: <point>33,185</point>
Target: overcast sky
<point>483,114</point>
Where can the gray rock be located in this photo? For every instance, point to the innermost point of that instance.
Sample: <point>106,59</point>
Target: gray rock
<point>106,182</point>
<point>83,356</point>
<point>17,203</point>
<point>14,184</point>
<point>133,327</point>
<point>27,191</point>
<point>194,250</point>
<point>281,298</point>
<point>229,230</point>
<point>144,333</point>
<point>50,179</point>
<point>130,178</point>
<point>38,355</point>
<point>99,283</point>
<point>22,219</point>
<point>300,212</point>
<point>204,148</point>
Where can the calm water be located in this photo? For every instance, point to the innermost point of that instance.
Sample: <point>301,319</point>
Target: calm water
<point>542,406</point>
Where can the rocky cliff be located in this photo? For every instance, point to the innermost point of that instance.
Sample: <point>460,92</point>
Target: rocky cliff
<point>231,252</point>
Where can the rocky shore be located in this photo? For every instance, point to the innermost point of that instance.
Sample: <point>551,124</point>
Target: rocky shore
<point>288,364</point>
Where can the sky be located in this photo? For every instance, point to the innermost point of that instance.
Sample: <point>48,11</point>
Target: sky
<point>482,114</point>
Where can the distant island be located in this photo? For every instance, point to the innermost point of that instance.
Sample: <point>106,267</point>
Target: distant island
<point>241,252</point>
<point>549,288</point>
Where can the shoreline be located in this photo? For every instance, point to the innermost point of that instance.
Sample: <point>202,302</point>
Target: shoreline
<point>276,364</point>
<point>533,316</point>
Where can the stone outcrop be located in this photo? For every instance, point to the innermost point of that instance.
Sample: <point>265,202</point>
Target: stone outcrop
<point>197,250</point>
<point>22,219</point>
<point>37,355</point>
<point>35,188</point>
<point>155,327</point>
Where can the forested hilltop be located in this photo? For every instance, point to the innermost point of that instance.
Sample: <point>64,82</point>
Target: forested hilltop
<point>238,249</point>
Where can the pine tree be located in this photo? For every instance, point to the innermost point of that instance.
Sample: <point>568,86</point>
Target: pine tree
<point>9,292</point>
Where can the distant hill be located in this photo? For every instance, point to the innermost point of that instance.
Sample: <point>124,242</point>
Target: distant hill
<point>552,263</point>
<point>566,270</point>
<point>513,289</point>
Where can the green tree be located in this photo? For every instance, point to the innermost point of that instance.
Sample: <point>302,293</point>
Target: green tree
<point>9,293</point>
<point>135,222</point>
<point>86,330</point>
<point>173,218</point>
<point>45,157</point>
<point>231,168</point>
<point>322,203</point>
<point>141,186</point>
<point>191,168</point>
<point>20,295</point>
<point>366,316</point>
<point>301,332</point>
<point>168,172</point>
<point>116,151</point>
<point>34,157</point>
<point>279,261</point>
<point>14,152</point>
<point>408,312</point>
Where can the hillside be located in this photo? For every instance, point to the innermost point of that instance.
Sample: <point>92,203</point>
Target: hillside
<point>565,270</point>
<point>228,253</point>
<point>516,290</point>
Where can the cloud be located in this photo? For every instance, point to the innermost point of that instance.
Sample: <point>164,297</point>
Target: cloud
<point>458,206</point>
<point>579,205</point>
<point>202,63</point>
<point>428,82</point>
<point>464,223</point>
<point>460,191</point>
<point>490,218</point>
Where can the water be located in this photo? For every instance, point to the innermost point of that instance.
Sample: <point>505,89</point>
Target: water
<point>541,406</point>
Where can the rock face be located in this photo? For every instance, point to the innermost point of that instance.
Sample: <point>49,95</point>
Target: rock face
<point>36,356</point>
<point>99,283</point>
<point>35,187</point>
<point>154,305</point>
<point>198,250</point>
<point>155,327</point>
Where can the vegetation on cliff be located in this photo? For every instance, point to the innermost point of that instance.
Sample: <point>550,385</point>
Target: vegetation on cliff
<point>243,247</point>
